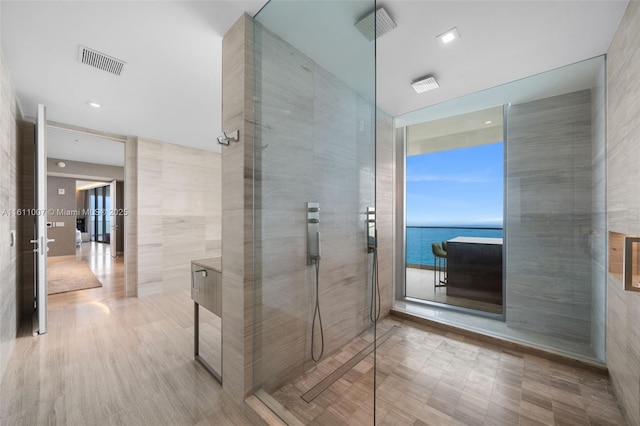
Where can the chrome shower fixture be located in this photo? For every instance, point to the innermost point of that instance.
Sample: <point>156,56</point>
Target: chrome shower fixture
<point>224,139</point>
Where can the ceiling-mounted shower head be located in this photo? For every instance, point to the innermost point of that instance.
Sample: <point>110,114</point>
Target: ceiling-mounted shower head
<point>378,25</point>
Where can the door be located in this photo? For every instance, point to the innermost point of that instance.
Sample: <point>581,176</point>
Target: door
<point>112,212</point>
<point>40,240</point>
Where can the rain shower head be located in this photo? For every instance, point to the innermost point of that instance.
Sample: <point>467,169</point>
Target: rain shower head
<point>378,23</point>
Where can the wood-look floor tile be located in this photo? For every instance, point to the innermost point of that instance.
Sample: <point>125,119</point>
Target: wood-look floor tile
<point>426,377</point>
<point>107,360</point>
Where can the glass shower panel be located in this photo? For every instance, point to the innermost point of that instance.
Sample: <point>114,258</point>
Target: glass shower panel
<point>555,183</point>
<point>314,178</point>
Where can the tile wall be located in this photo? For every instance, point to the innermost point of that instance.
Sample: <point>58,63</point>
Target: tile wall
<point>179,195</point>
<point>316,139</point>
<point>549,216</point>
<point>10,126</point>
<point>316,143</point>
<point>623,206</point>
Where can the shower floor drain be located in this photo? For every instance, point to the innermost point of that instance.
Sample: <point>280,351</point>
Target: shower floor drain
<point>325,383</point>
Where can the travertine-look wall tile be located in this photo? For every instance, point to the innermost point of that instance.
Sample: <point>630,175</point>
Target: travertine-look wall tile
<point>314,141</point>
<point>11,282</point>
<point>179,213</point>
<point>317,144</point>
<point>598,236</point>
<point>549,215</point>
<point>237,211</point>
<point>131,220</point>
<point>623,206</point>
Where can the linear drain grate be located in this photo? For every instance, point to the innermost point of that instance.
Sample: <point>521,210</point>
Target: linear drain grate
<point>325,383</point>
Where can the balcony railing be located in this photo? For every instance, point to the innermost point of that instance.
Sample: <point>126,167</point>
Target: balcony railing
<point>420,238</point>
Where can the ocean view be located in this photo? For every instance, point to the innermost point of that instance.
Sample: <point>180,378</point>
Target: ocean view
<point>419,239</point>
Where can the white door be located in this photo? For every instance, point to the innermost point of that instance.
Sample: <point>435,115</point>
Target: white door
<point>113,216</point>
<point>40,240</point>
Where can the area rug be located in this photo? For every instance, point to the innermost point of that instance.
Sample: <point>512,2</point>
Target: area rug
<point>69,274</point>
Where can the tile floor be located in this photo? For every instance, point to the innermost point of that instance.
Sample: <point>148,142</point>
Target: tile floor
<point>428,377</point>
<point>128,361</point>
<point>109,360</point>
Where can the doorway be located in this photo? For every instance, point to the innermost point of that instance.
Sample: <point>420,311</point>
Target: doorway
<point>86,196</point>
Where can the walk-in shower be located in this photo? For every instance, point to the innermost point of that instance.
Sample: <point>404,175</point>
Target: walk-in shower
<point>315,198</point>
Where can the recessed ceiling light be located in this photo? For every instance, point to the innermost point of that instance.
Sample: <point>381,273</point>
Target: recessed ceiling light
<point>93,104</point>
<point>61,164</point>
<point>425,84</point>
<point>488,122</point>
<point>449,36</point>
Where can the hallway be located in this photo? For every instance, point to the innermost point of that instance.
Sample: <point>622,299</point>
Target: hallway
<point>111,360</point>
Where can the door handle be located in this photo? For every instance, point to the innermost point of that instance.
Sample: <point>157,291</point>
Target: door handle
<point>51,240</point>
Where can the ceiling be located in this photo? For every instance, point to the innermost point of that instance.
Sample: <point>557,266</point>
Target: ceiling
<point>84,147</point>
<point>171,87</point>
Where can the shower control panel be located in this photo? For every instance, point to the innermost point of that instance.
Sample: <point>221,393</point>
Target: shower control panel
<point>371,229</point>
<point>313,232</point>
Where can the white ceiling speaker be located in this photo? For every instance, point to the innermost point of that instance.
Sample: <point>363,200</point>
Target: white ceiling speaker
<point>380,25</point>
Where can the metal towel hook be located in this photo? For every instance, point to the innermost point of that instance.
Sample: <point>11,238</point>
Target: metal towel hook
<point>224,139</point>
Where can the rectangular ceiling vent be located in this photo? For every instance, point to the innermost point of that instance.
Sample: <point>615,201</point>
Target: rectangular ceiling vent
<point>425,84</point>
<point>378,23</point>
<point>101,61</point>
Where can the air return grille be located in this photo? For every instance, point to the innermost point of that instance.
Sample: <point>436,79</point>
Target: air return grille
<point>101,61</point>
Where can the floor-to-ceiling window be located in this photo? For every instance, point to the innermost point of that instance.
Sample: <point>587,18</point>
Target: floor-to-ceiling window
<point>99,223</point>
<point>454,209</point>
<point>553,248</point>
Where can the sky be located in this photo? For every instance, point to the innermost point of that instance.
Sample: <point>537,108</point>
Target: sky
<point>458,187</point>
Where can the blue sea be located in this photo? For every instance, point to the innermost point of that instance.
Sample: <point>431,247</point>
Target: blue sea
<point>419,240</point>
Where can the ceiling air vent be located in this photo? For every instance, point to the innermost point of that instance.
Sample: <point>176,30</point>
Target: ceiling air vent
<point>101,61</point>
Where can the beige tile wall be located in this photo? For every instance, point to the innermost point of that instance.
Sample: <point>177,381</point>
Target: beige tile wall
<point>10,118</point>
<point>237,212</point>
<point>385,206</point>
<point>131,220</point>
<point>303,156</point>
<point>549,218</point>
<point>623,206</point>
<point>598,234</point>
<point>317,143</point>
<point>178,195</point>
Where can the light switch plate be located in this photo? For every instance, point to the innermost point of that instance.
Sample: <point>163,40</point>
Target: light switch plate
<point>59,224</point>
